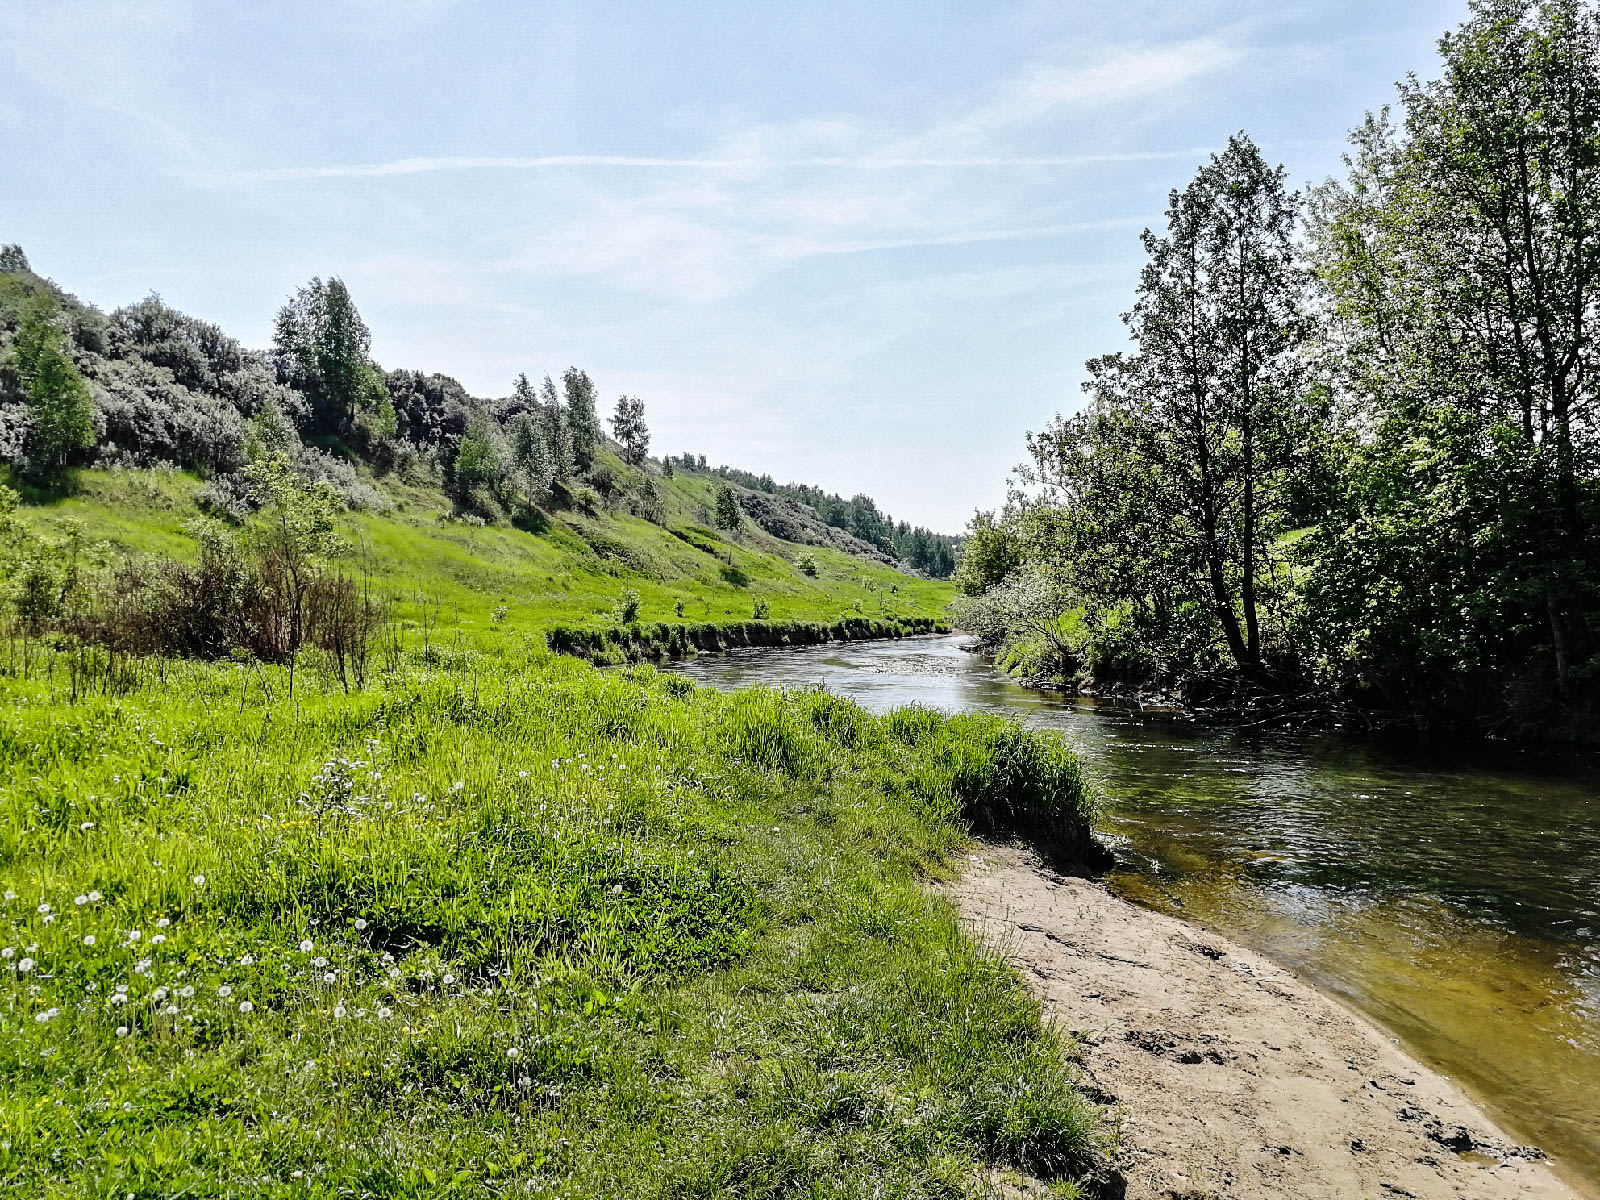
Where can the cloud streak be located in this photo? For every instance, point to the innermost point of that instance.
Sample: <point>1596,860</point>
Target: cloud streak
<point>459,164</point>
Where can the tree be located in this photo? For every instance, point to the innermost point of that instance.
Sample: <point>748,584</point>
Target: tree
<point>728,515</point>
<point>582,421</point>
<point>557,436</point>
<point>13,261</point>
<point>1463,258</point>
<point>1173,489</point>
<point>481,456</point>
<point>990,553</point>
<point>322,347</point>
<point>60,410</point>
<point>291,534</point>
<point>628,427</point>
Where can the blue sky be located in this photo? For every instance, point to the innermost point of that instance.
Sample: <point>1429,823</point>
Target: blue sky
<point>866,246</point>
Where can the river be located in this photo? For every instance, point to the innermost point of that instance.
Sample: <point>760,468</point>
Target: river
<point>1451,892</point>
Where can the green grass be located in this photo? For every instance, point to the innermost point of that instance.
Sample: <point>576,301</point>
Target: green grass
<point>512,925</point>
<point>492,586</point>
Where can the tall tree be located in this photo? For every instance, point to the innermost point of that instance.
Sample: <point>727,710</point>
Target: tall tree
<point>628,427</point>
<point>61,413</point>
<point>728,515</point>
<point>1175,483</point>
<point>557,435</point>
<point>1463,255</point>
<point>582,421</point>
<point>322,347</point>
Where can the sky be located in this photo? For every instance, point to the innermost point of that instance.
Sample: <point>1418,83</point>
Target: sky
<point>863,246</point>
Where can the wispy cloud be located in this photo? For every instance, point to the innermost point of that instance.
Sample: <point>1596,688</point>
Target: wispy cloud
<point>456,164</point>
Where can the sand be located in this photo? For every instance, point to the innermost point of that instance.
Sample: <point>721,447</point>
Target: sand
<point>1228,1076</point>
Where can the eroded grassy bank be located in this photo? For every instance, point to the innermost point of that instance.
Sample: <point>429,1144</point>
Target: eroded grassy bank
<point>512,926</point>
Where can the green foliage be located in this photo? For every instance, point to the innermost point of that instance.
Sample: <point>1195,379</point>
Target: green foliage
<point>728,516</point>
<point>807,565</point>
<point>990,552</point>
<point>60,411</point>
<point>627,610</point>
<point>580,419</point>
<point>628,427</point>
<point>322,348</point>
<point>481,456</point>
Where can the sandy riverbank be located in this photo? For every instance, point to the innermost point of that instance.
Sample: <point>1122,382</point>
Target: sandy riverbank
<point>1233,1078</point>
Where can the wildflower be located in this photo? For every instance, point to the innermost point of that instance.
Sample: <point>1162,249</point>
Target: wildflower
<point>158,939</point>
<point>305,946</point>
<point>246,1007</point>
<point>360,923</point>
<point>199,881</point>
<point>385,1013</point>
<point>319,961</point>
<point>171,1010</point>
<point>330,977</point>
<point>122,1031</point>
<point>186,991</point>
<point>86,826</point>
<point>8,952</point>
<point>159,994</point>
<point>44,908</point>
<point>522,774</point>
<point>88,939</point>
<point>513,1053</point>
<point>94,897</point>
<point>80,900</point>
<point>457,786</point>
<point>616,889</point>
<point>47,1015</point>
<point>387,958</point>
<point>448,980</point>
<point>142,967</point>
<point>339,1010</point>
<point>119,998</point>
<point>524,1082</point>
<point>163,922</point>
<point>225,991</point>
<point>133,936</point>
<point>25,966</point>
<point>10,895</point>
<point>246,960</point>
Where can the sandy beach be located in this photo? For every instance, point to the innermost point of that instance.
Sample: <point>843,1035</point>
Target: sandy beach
<point>1229,1076</point>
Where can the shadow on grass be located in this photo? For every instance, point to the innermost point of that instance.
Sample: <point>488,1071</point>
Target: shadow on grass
<point>735,576</point>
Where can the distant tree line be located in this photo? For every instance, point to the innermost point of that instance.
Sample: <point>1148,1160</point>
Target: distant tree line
<point>933,554</point>
<point>1350,463</point>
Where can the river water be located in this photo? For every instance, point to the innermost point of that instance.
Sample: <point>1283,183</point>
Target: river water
<point>1451,892</point>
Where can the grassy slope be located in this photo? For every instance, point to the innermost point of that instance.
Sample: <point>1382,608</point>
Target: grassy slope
<point>572,932</point>
<point>554,577</point>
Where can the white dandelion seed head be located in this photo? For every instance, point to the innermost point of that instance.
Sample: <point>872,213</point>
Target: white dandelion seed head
<point>330,977</point>
<point>163,922</point>
<point>94,897</point>
<point>80,900</point>
<point>122,1031</point>
<point>246,1007</point>
<point>158,939</point>
<point>306,946</point>
<point>88,939</point>
<point>385,1013</point>
<point>44,908</point>
<point>513,1053</point>
<point>361,923</point>
<point>225,991</point>
<point>247,960</point>
<point>25,965</point>
<point>199,881</point>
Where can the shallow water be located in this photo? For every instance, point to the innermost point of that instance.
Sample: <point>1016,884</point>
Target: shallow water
<point>1450,891</point>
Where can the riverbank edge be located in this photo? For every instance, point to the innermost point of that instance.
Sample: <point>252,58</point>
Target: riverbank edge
<point>1232,1075</point>
<point>664,641</point>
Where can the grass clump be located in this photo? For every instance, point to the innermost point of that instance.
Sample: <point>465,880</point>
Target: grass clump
<point>511,925</point>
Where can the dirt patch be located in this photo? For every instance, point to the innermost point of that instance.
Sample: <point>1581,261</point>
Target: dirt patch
<point>1231,1077</point>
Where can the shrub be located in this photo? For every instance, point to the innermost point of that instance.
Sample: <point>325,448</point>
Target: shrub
<point>627,610</point>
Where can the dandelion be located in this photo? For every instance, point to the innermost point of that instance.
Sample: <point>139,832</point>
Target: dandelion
<point>616,889</point>
<point>385,1013</point>
<point>247,960</point>
<point>186,991</point>
<point>8,952</point>
<point>199,881</point>
<point>319,961</point>
<point>122,1031</point>
<point>133,936</point>
<point>142,967</point>
<point>305,946</point>
<point>225,991</point>
<point>25,966</point>
<point>448,980</point>
<point>339,1010</point>
<point>387,958</point>
<point>158,939</point>
<point>44,909</point>
<point>246,1007</point>
<point>88,939</point>
<point>522,774</point>
<point>86,826</point>
<point>163,922</point>
<point>513,1054</point>
<point>171,1010</point>
<point>524,1082</point>
<point>159,994</point>
<point>330,977</point>
<point>94,897</point>
<point>10,895</point>
<point>361,923</point>
<point>119,998</point>
<point>457,786</point>
<point>80,901</point>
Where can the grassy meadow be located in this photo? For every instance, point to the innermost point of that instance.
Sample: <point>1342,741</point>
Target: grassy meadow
<point>500,922</point>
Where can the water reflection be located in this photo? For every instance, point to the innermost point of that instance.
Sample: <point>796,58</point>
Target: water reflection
<point>1450,891</point>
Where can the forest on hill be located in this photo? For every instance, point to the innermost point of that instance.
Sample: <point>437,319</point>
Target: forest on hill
<point>150,386</point>
<point>1349,466</point>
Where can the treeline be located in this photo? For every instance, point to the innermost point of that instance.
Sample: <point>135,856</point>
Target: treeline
<point>1349,465</point>
<point>933,554</point>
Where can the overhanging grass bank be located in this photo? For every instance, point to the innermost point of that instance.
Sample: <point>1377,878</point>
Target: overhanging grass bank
<point>661,641</point>
<point>526,928</point>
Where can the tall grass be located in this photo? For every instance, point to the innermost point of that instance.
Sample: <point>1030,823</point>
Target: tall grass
<point>511,926</point>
